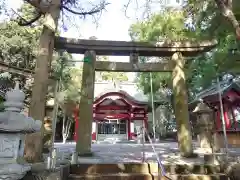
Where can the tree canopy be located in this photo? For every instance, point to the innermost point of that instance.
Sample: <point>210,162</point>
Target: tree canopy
<point>19,49</point>
<point>71,10</point>
<point>178,25</point>
<point>109,76</point>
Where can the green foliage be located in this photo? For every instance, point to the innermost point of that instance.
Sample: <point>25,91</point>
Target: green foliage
<point>19,48</point>
<point>114,76</point>
<point>18,45</point>
<point>160,80</point>
<point>204,22</point>
<point>167,25</point>
<point>109,76</point>
<point>61,66</point>
<point>210,23</point>
<point>70,89</point>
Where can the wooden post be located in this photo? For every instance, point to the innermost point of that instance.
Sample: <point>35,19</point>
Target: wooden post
<point>84,132</point>
<point>181,106</point>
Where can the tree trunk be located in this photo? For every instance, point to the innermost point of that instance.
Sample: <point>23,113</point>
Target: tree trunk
<point>84,131</point>
<point>66,132</point>
<point>181,106</point>
<point>33,148</point>
<point>38,5</point>
<point>63,129</point>
<point>226,10</point>
<point>66,128</point>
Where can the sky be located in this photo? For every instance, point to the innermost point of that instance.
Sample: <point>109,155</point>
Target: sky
<point>113,24</point>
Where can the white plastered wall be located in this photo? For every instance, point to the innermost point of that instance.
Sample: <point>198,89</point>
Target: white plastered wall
<point>137,125</point>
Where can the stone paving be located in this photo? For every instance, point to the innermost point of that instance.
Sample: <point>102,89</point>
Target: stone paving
<point>130,152</point>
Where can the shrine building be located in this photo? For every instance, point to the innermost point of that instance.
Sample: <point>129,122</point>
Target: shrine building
<point>230,90</point>
<point>119,111</point>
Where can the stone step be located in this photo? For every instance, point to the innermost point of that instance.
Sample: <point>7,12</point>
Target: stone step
<point>124,176</point>
<point>80,169</point>
<point>215,176</point>
<point>187,168</point>
<point>109,168</point>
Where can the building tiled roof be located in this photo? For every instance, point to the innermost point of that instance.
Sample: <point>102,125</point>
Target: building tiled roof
<point>127,95</point>
<point>128,87</point>
<point>213,90</point>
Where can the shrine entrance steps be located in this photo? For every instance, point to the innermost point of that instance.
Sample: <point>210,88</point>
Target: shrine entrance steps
<point>145,171</point>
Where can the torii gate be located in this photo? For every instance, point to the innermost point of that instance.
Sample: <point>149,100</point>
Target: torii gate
<point>176,50</point>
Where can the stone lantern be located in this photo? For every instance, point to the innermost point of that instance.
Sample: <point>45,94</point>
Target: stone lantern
<point>205,126</point>
<point>13,128</point>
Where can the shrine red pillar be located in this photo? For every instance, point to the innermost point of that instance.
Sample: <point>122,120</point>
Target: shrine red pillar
<point>225,116</point>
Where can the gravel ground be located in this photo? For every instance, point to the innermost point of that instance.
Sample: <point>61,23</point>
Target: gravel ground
<point>130,152</point>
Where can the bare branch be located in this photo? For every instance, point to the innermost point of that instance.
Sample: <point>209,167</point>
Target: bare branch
<point>126,8</point>
<point>24,22</point>
<point>43,6</point>
<point>30,22</point>
<point>226,11</point>
<point>91,12</point>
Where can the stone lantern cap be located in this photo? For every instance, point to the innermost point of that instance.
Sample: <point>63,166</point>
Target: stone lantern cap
<point>202,108</point>
<point>11,120</point>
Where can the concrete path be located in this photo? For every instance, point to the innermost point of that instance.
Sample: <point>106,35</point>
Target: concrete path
<point>117,153</point>
<point>130,152</point>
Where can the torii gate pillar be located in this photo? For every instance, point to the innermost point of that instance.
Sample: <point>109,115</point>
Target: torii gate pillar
<point>181,105</point>
<point>84,131</point>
